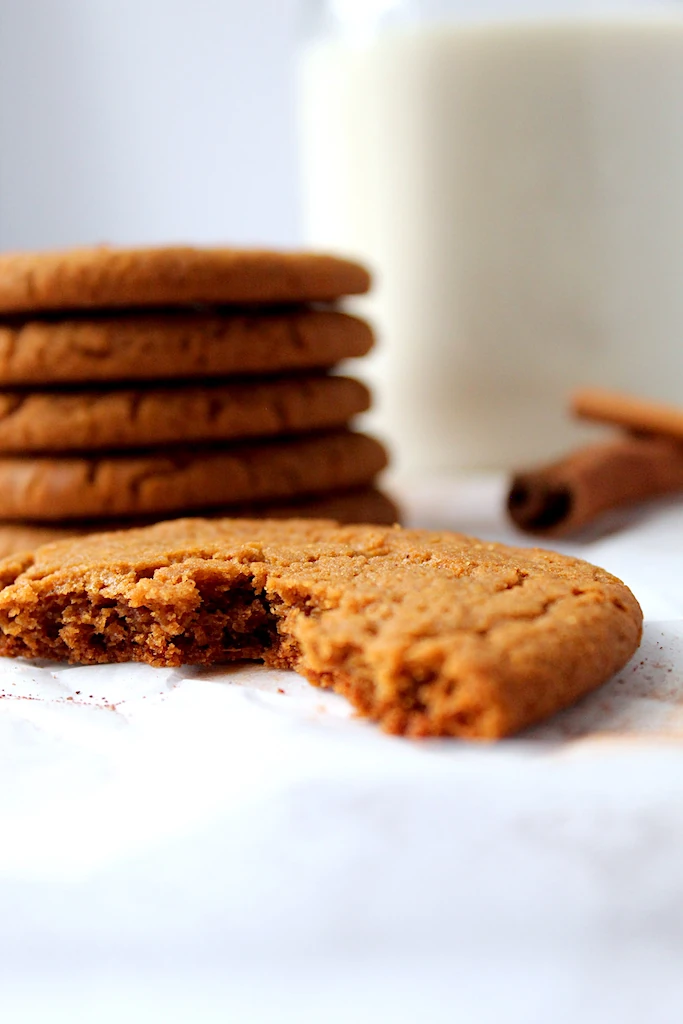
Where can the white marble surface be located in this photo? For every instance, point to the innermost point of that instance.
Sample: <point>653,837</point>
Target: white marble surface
<point>234,845</point>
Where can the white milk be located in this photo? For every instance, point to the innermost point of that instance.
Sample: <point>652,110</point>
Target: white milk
<point>519,189</point>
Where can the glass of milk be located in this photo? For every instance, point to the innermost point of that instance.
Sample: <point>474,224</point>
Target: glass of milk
<point>513,172</point>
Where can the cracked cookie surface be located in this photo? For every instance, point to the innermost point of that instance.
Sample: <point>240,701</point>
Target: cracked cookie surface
<point>178,275</point>
<point>354,505</point>
<point>430,634</point>
<point>62,421</point>
<point>176,343</point>
<point>140,483</point>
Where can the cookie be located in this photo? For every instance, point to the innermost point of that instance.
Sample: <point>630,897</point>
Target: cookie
<point>358,505</point>
<point>171,344</point>
<point>88,420</point>
<point>178,276</point>
<point>52,488</point>
<point>429,634</point>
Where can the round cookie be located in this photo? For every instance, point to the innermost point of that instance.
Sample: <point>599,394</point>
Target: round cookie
<point>88,420</point>
<point>359,505</point>
<point>106,277</point>
<point>427,633</point>
<point>140,346</point>
<point>53,488</point>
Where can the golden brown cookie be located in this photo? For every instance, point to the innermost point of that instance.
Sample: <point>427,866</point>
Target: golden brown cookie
<point>430,634</point>
<point>178,276</point>
<point>358,505</point>
<point>62,421</point>
<point>54,488</point>
<point>139,346</point>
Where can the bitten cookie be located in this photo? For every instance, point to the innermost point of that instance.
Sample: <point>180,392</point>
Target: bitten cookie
<point>430,634</point>
<point>53,488</point>
<point>139,346</point>
<point>176,276</point>
<point>62,421</point>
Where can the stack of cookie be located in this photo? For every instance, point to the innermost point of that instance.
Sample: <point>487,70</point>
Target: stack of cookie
<point>141,385</point>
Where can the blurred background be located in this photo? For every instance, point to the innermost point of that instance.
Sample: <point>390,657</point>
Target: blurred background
<point>134,122</point>
<point>130,121</point>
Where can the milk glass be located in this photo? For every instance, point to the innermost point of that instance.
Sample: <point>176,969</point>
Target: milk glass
<point>513,173</point>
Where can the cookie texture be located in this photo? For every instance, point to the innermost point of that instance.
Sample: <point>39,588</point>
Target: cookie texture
<point>430,634</point>
<point>133,347</point>
<point>137,418</point>
<point>355,505</point>
<point>180,275</point>
<point>142,483</point>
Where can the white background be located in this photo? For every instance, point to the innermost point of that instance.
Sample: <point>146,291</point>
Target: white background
<point>150,121</point>
<point>147,121</point>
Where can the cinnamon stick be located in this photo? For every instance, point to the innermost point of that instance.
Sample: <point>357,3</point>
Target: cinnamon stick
<point>636,415</point>
<point>572,493</point>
